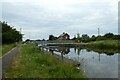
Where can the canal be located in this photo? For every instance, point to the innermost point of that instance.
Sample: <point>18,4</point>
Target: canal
<point>93,63</point>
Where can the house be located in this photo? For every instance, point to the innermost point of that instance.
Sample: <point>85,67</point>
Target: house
<point>64,36</point>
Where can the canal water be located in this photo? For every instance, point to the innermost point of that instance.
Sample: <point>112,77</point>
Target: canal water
<point>94,64</point>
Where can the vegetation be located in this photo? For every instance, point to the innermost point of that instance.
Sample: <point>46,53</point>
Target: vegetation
<point>33,63</point>
<point>9,34</point>
<point>105,44</point>
<point>104,51</point>
<point>6,48</point>
<point>0,50</point>
<point>51,37</point>
<point>86,38</point>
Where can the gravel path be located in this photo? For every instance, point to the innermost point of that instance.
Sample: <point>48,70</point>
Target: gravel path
<point>8,59</point>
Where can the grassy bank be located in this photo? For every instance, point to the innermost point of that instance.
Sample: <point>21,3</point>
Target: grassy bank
<point>96,44</point>
<point>105,44</point>
<point>32,63</point>
<point>6,48</point>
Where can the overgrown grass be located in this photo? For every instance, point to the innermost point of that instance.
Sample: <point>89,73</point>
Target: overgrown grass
<point>32,63</point>
<point>105,44</point>
<point>6,48</point>
<point>0,50</point>
<point>100,44</point>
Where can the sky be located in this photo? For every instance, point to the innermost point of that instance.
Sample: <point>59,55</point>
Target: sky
<point>40,18</point>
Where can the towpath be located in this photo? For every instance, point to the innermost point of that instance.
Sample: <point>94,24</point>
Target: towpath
<point>7,60</point>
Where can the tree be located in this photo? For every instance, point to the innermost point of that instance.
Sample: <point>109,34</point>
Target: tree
<point>85,38</point>
<point>98,38</point>
<point>74,38</point>
<point>116,37</point>
<point>93,38</point>
<point>10,34</point>
<point>109,35</point>
<point>51,37</point>
<point>78,37</point>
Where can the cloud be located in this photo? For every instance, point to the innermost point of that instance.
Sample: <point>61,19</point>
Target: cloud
<point>45,17</point>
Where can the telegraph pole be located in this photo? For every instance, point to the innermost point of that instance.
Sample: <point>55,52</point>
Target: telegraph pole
<point>20,30</point>
<point>99,35</point>
<point>98,31</point>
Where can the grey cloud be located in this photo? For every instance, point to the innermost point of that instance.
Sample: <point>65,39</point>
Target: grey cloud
<point>71,18</point>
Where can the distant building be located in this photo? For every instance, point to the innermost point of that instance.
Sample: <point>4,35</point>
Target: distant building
<point>64,36</point>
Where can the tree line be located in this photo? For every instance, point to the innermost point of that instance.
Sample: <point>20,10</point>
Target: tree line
<point>87,38</point>
<point>9,33</point>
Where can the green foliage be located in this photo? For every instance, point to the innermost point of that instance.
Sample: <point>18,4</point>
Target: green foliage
<point>6,48</point>
<point>108,47</point>
<point>109,35</point>
<point>9,34</point>
<point>85,38</point>
<point>109,44</point>
<point>93,38</point>
<point>32,63</point>
<point>99,38</point>
<point>51,37</point>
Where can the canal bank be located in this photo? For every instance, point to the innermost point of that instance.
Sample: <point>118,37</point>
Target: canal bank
<point>95,64</point>
<point>33,63</point>
<point>108,46</point>
<point>8,59</point>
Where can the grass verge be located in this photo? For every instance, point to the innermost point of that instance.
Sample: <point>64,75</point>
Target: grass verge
<point>32,63</point>
<point>106,44</point>
<point>103,46</point>
<point>5,48</point>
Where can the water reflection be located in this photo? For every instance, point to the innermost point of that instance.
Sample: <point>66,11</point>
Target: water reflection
<point>50,50</point>
<point>66,50</point>
<point>77,50</point>
<point>95,62</point>
<point>108,52</point>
